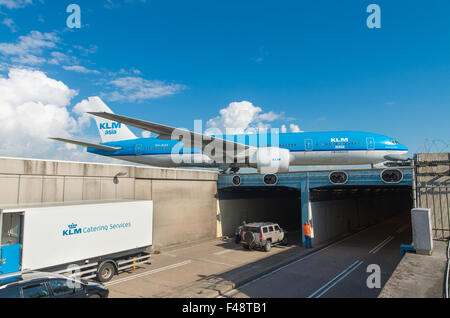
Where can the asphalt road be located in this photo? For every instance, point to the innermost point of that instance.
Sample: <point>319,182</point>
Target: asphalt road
<point>339,270</point>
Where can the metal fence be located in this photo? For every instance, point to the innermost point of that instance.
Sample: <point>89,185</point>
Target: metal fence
<point>432,189</point>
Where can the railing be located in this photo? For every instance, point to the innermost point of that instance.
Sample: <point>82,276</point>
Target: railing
<point>436,198</point>
<point>446,286</point>
<point>432,188</point>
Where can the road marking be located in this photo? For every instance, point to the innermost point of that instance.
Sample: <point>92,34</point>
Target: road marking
<point>226,251</point>
<point>322,290</point>
<point>402,229</point>
<point>300,259</point>
<point>212,262</point>
<point>381,245</point>
<point>154,271</point>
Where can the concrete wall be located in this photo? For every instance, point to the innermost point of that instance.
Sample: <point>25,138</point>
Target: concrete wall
<point>331,219</point>
<point>185,204</point>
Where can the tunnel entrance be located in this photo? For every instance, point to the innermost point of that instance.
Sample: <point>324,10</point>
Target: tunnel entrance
<point>332,210</point>
<point>259,204</point>
<point>339,210</point>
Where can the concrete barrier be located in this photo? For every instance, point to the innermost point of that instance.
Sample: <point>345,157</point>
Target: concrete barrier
<point>422,233</point>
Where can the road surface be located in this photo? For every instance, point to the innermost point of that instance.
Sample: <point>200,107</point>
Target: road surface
<point>339,270</point>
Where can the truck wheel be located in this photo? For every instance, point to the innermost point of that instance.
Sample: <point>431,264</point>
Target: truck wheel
<point>284,241</point>
<point>268,246</point>
<point>106,272</point>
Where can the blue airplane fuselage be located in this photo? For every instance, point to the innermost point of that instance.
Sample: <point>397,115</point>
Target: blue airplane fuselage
<point>308,148</point>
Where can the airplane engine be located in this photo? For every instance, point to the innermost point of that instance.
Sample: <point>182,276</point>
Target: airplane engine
<point>271,160</point>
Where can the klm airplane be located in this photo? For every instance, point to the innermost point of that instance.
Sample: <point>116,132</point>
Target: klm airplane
<point>268,153</point>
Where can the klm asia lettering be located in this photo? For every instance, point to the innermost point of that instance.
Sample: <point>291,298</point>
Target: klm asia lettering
<point>73,229</point>
<point>110,129</point>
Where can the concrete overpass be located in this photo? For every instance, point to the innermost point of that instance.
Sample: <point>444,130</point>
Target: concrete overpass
<point>335,203</point>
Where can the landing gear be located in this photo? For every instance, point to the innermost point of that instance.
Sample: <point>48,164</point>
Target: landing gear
<point>229,170</point>
<point>234,169</point>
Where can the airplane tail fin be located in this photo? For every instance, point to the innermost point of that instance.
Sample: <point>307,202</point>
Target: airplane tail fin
<point>110,130</point>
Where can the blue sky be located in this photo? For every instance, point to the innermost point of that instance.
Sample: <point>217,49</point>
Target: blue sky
<point>313,64</point>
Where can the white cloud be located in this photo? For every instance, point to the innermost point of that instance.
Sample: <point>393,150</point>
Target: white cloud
<point>114,4</point>
<point>294,128</point>
<point>239,117</point>
<point>28,59</point>
<point>10,24</point>
<point>27,48</point>
<point>34,42</point>
<point>80,69</point>
<point>33,107</point>
<point>136,89</point>
<point>15,4</point>
<point>58,58</point>
<point>270,116</point>
<point>32,50</point>
<point>92,49</point>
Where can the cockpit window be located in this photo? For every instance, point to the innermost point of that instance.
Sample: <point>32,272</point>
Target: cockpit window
<point>395,142</point>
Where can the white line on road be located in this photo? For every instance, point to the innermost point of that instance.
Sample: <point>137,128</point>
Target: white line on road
<point>300,259</point>
<point>237,290</point>
<point>212,262</point>
<point>381,245</point>
<point>322,290</point>
<point>125,279</point>
<point>226,251</point>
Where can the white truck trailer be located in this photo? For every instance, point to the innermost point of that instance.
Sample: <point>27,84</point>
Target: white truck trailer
<point>87,239</point>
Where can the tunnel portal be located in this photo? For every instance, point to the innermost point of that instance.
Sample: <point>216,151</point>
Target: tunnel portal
<point>362,199</point>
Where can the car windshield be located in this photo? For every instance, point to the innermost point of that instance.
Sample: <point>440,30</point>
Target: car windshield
<point>253,229</point>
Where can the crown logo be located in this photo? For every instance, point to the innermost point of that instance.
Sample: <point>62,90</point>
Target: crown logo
<point>72,226</point>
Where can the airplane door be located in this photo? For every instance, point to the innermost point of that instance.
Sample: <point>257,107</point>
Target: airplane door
<point>370,143</point>
<point>138,149</point>
<point>308,145</point>
<point>11,242</point>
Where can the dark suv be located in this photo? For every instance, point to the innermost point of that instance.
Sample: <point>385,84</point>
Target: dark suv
<point>262,235</point>
<point>49,285</point>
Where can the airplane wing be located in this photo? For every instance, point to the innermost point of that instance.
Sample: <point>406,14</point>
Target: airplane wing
<point>86,144</point>
<point>172,133</point>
